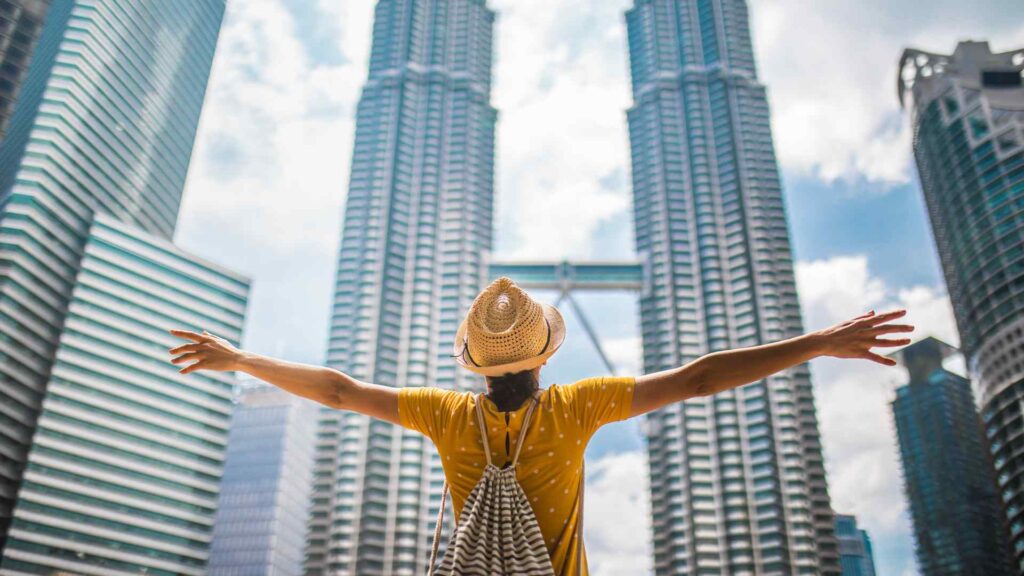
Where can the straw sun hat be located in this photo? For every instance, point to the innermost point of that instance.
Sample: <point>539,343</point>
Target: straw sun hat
<point>506,330</point>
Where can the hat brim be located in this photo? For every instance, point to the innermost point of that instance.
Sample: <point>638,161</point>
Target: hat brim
<point>555,321</point>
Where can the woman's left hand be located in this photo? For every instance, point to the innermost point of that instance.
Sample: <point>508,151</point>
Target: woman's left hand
<point>209,352</point>
<point>855,337</point>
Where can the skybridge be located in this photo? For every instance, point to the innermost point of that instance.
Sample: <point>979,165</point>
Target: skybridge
<point>566,276</point>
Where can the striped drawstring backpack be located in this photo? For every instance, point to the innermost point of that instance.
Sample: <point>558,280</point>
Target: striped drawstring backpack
<point>497,532</point>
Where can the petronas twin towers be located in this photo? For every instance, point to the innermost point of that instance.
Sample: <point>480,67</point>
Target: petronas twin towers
<point>737,480</point>
<point>417,223</point>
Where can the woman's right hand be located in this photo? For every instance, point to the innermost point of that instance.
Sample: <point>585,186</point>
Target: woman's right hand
<point>208,351</point>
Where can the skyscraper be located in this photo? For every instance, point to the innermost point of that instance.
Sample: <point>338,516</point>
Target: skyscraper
<point>418,219</point>
<point>261,521</point>
<point>947,473</point>
<point>855,554</point>
<point>20,24</point>
<point>967,116</point>
<point>104,124</point>
<point>126,459</point>
<point>737,480</point>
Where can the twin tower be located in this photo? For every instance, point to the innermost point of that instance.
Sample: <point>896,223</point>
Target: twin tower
<point>737,480</point>
<point>110,460</point>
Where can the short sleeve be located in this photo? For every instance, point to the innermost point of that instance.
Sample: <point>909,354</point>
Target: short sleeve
<point>600,400</point>
<point>426,409</point>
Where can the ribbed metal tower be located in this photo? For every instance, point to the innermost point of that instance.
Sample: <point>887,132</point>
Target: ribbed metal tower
<point>105,122</point>
<point>263,506</point>
<point>737,480</point>
<point>20,24</point>
<point>418,221</point>
<point>967,115</point>
<point>947,475</point>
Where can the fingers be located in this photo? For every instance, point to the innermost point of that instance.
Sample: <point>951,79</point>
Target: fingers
<point>890,341</point>
<point>889,328</point>
<point>197,366</point>
<point>880,359</point>
<point>189,334</point>
<point>185,348</point>
<point>885,317</point>
<point>185,358</point>
<point>856,319</point>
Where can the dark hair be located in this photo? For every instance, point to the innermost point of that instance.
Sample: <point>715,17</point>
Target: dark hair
<point>509,391</point>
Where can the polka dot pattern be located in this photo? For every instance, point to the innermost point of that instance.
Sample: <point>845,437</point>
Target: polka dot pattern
<point>551,452</point>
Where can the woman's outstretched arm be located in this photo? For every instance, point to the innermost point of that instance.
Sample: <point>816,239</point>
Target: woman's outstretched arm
<point>321,384</point>
<point>726,369</point>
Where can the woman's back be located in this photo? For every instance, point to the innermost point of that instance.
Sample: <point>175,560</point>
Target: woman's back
<point>552,455</point>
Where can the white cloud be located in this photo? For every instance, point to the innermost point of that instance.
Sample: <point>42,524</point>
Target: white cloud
<point>831,76</point>
<point>616,508</point>
<point>625,353</point>
<point>270,168</point>
<point>562,92</point>
<point>854,396</point>
<point>275,138</point>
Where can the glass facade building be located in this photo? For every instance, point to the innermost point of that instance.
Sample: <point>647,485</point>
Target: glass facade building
<point>20,24</point>
<point>105,122</point>
<point>417,226</point>
<point>947,472</point>
<point>855,556</point>
<point>737,480</point>
<point>260,527</point>
<point>124,469</point>
<point>967,116</point>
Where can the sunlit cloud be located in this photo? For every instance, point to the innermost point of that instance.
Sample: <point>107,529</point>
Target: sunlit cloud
<point>853,397</point>
<point>830,69</point>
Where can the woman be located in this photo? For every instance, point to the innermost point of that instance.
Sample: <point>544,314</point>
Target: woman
<point>507,336</point>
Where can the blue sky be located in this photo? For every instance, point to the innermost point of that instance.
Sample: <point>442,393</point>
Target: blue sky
<point>268,181</point>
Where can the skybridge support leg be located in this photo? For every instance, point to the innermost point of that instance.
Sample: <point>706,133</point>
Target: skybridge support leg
<point>567,295</point>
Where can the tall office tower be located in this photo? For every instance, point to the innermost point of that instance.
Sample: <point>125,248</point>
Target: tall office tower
<point>418,221</point>
<point>124,469</point>
<point>737,480</point>
<point>967,115</point>
<point>260,527</point>
<point>20,24</point>
<point>855,554</point>
<point>947,472</point>
<point>105,122</point>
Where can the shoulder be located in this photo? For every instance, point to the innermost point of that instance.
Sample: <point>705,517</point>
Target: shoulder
<point>568,393</point>
<point>592,391</point>
<point>593,384</point>
<point>440,397</point>
<point>431,391</point>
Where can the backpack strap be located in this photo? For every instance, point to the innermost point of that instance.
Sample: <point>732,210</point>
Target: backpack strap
<point>444,490</point>
<point>483,426</point>
<point>522,429</point>
<point>437,531</point>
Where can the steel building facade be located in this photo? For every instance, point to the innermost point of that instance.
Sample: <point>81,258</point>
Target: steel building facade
<point>967,116</point>
<point>125,466</point>
<point>947,472</point>
<point>737,480</point>
<point>261,522</point>
<point>855,552</point>
<point>417,226</point>
<point>105,123</point>
<point>21,21</point>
